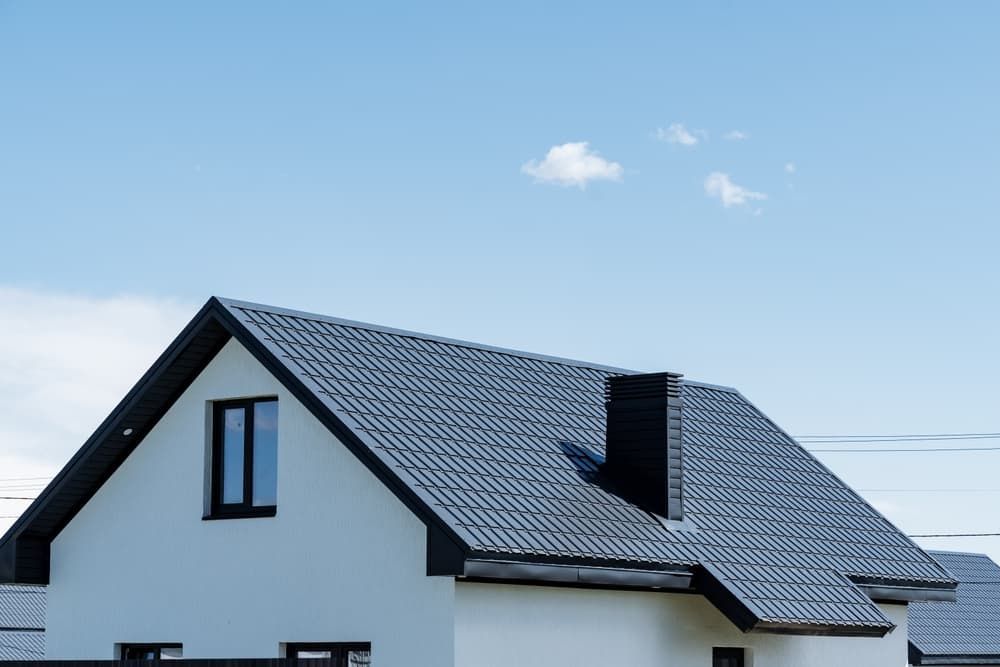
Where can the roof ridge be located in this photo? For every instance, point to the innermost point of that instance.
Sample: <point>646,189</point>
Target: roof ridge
<point>409,333</point>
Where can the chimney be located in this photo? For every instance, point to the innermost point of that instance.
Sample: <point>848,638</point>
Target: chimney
<point>643,453</point>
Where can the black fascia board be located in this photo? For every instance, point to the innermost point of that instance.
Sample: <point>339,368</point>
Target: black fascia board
<point>40,522</point>
<point>709,584</point>
<point>881,589</point>
<point>823,629</point>
<point>916,657</point>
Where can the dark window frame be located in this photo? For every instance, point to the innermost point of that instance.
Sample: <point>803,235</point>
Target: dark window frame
<point>245,509</point>
<point>722,656</point>
<point>124,648</point>
<point>338,650</point>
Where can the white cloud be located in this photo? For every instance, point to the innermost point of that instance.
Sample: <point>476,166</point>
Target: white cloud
<point>676,133</point>
<point>65,362</point>
<point>572,164</point>
<point>721,187</point>
<point>736,135</point>
<point>790,168</point>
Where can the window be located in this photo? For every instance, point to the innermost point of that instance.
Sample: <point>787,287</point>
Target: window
<point>151,651</point>
<point>727,657</point>
<point>354,654</point>
<point>244,458</point>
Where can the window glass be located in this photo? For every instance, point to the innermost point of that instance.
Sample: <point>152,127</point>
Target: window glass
<point>305,654</point>
<point>232,455</point>
<point>171,653</point>
<point>265,453</point>
<point>340,654</point>
<point>138,653</point>
<point>727,657</point>
<point>359,658</point>
<point>151,652</point>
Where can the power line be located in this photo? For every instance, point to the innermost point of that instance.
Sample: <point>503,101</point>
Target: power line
<point>958,535</point>
<point>928,490</point>
<point>17,497</point>
<point>902,449</point>
<point>897,437</point>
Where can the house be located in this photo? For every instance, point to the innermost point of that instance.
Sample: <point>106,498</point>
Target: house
<point>967,632</point>
<point>22,622</point>
<point>288,484</point>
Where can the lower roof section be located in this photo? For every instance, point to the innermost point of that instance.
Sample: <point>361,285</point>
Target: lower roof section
<point>964,633</point>
<point>705,580</point>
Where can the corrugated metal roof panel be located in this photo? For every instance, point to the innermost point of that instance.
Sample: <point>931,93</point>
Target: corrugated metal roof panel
<point>505,445</point>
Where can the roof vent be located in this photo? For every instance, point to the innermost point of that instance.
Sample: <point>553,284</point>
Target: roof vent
<point>643,452</point>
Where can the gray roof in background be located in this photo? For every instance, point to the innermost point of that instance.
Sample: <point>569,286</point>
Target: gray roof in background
<point>22,618</point>
<point>504,447</point>
<point>968,628</point>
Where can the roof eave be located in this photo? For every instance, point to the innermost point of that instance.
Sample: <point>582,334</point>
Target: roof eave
<point>919,658</point>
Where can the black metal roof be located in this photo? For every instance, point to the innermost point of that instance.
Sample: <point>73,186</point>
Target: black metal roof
<point>499,452</point>
<point>22,622</point>
<point>968,630</point>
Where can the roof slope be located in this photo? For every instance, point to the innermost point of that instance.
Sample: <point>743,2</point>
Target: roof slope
<point>968,629</point>
<point>505,446</point>
<point>22,619</point>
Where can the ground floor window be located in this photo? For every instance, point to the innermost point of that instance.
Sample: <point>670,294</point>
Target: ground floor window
<point>151,651</point>
<point>727,657</point>
<point>341,654</point>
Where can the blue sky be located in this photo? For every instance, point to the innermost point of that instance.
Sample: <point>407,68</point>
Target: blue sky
<point>381,162</point>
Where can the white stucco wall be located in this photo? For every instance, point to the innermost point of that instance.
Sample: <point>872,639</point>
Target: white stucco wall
<point>534,626</point>
<point>343,560</point>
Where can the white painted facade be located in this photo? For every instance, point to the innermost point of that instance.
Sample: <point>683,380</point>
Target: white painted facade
<point>533,626</point>
<point>344,560</point>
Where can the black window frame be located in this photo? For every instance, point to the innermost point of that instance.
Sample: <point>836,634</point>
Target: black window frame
<point>338,651</point>
<point>245,509</point>
<point>723,655</point>
<point>157,648</point>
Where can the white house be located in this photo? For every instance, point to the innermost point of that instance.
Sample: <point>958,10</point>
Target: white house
<point>287,484</point>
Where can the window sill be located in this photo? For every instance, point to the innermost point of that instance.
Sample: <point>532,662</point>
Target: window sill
<point>243,513</point>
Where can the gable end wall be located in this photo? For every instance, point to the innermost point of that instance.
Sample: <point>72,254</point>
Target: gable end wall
<point>343,560</point>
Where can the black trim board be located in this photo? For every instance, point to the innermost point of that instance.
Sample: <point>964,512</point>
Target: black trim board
<point>590,577</point>
<point>25,548</point>
<point>918,658</point>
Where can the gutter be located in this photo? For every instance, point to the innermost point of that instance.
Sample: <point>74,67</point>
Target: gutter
<point>549,573</point>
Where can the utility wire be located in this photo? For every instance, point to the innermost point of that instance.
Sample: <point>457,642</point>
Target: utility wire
<point>958,535</point>
<point>927,490</point>
<point>902,449</point>
<point>897,437</point>
<point>17,497</point>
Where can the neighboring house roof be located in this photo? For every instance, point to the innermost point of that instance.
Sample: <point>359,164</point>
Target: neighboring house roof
<point>499,452</point>
<point>967,631</point>
<point>22,622</point>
